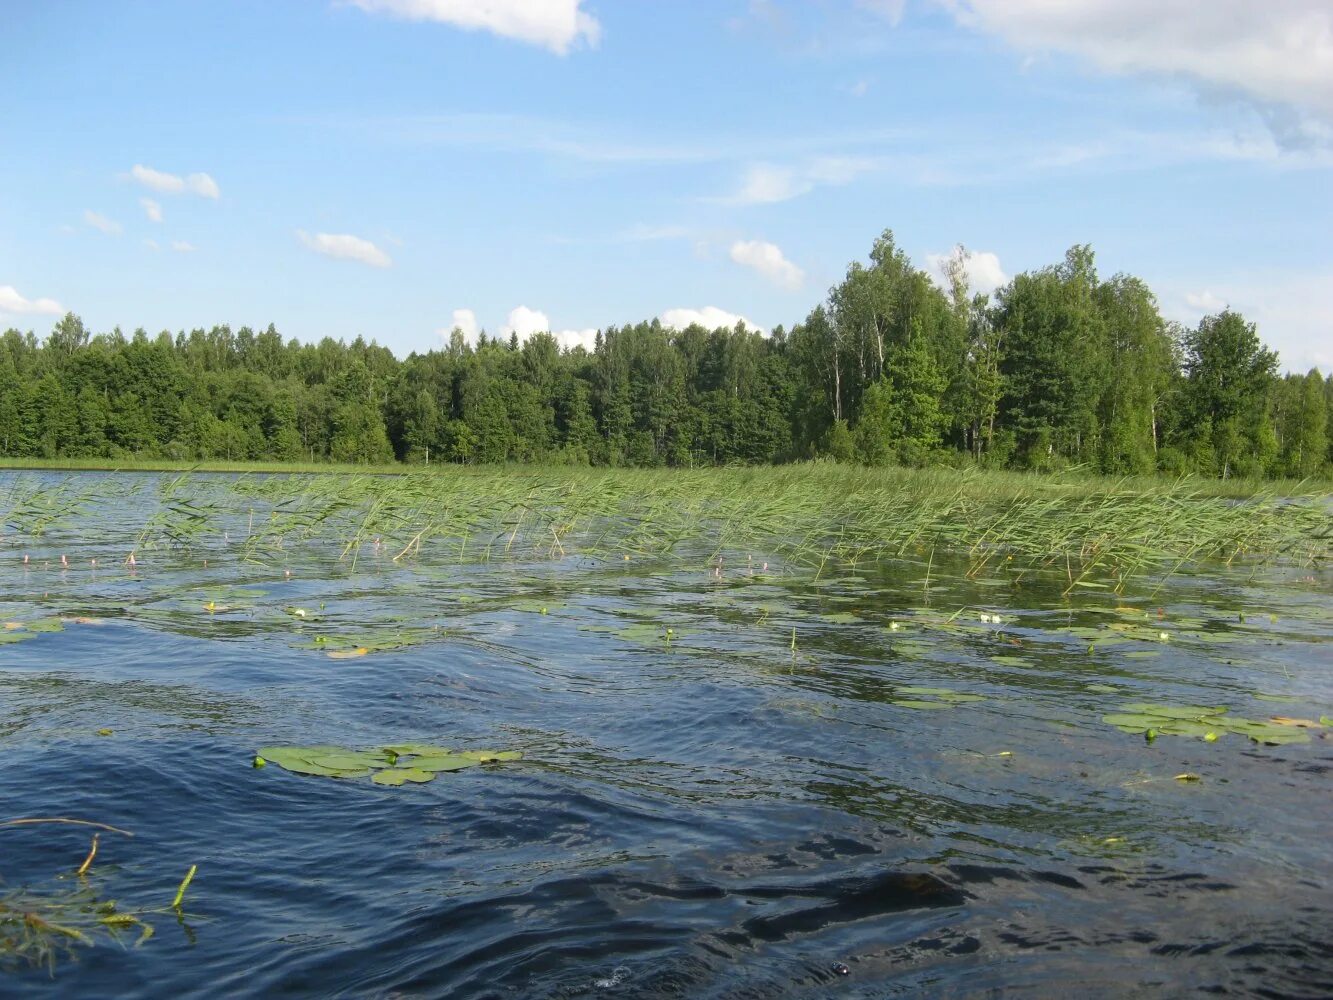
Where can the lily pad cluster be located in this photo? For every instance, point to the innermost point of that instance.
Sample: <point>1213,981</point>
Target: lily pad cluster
<point>1205,722</point>
<point>347,646</point>
<point>387,765</point>
<point>926,698</point>
<point>19,631</point>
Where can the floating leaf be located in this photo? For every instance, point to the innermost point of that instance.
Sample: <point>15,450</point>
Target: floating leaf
<point>490,756</point>
<point>419,749</point>
<point>1174,711</point>
<point>450,762</point>
<point>841,618</point>
<point>45,625</point>
<point>389,765</point>
<point>537,607</point>
<point>352,760</point>
<point>399,775</point>
<point>347,654</point>
<point>924,690</point>
<point>921,704</point>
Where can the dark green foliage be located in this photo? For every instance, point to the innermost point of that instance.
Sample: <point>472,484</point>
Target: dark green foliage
<point>1058,369</point>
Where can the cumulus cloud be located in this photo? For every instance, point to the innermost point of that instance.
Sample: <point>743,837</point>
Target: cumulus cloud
<point>180,246</point>
<point>558,25</point>
<point>151,244</point>
<point>164,183</point>
<point>100,222</point>
<point>709,317</point>
<point>464,320</point>
<point>15,304</point>
<point>1273,51</point>
<point>525,322</point>
<point>983,270</point>
<point>151,209</point>
<point>345,246</point>
<point>1290,308</point>
<point>768,260</point>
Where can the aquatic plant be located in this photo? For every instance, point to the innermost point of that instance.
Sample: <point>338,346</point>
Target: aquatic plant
<point>386,765</point>
<point>1207,723</point>
<point>41,926</point>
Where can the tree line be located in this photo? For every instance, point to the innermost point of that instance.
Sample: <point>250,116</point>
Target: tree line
<point>1057,368</point>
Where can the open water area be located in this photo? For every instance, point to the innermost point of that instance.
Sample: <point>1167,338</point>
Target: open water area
<point>741,775</point>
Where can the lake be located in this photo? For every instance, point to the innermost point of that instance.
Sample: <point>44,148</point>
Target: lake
<point>744,772</point>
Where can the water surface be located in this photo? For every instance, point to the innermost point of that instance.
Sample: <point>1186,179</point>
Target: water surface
<point>725,790</point>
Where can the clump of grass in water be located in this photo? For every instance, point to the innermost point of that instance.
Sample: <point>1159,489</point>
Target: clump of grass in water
<point>40,928</point>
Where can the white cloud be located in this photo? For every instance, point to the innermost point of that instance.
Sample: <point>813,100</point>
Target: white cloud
<point>14,303</point>
<point>344,246</point>
<point>1205,302</point>
<point>1291,310</point>
<point>151,244</point>
<point>765,183</point>
<point>983,270</point>
<point>890,10</point>
<point>151,209</point>
<point>525,322</point>
<point>558,25</point>
<point>157,180</point>
<point>709,317</point>
<point>768,260</point>
<point>860,88</point>
<point>100,222</point>
<point>1271,50</point>
<point>462,319</point>
<point>180,246</point>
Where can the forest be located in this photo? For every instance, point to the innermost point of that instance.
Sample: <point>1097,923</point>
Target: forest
<point>1057,369</point>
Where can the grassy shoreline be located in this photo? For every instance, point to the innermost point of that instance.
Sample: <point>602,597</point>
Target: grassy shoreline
<point>1071,482</point>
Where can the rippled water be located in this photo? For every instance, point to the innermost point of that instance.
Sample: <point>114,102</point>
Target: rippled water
<point>738,809</point>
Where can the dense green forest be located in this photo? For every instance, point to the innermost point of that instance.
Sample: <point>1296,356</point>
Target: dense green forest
<point>1058,368</point>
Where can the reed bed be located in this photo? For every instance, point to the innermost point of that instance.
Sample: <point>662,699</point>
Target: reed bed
<point>1002,523</point>
<point>802,514</point>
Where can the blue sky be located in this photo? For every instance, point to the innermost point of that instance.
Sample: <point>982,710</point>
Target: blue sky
<point>388,168</point>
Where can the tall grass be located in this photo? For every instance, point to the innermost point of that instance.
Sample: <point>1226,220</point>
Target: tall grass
<point>1094,532</point>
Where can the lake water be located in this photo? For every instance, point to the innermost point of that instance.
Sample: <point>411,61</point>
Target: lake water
<point>745,778</point>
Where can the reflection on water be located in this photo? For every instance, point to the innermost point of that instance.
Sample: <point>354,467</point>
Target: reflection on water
<point>885,779</point>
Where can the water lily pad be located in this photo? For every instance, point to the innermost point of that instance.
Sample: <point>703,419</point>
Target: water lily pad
<point>841,618</point>
<point>45,625</point>
<point>399,775</point>
<point>388,765</point>
<point>490,756</point>
<point>920,704</point>
<point>1175,711</point>
<point>537,607</point>
<point>418,749</point>
<point>925,690</point>
<point>1131,722</point>
<point>449,762</point>
<point>353,760</point>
